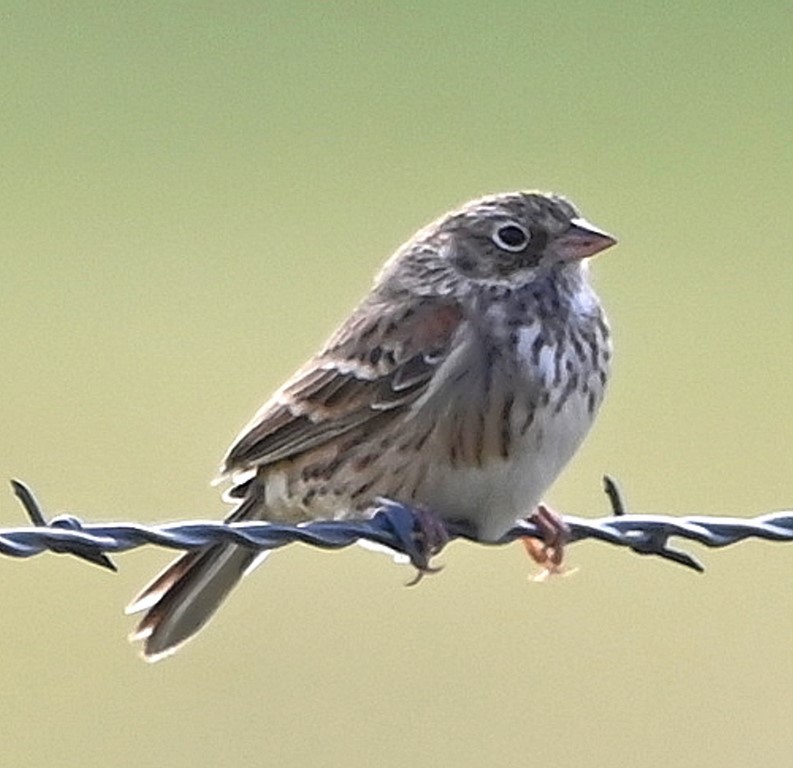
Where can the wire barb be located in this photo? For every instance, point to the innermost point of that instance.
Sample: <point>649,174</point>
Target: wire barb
<point>62,522</point>
<point>392,525</point>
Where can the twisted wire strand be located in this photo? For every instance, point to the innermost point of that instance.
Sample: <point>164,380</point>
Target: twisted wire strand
<point>393,526</point>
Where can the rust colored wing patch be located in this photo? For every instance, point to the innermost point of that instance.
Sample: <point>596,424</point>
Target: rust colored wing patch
<point>375,366</point>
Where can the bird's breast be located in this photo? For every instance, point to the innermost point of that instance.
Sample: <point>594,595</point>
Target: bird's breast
<point>506,436</point>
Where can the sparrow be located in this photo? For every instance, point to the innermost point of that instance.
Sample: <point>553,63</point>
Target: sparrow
<point>461,385</point>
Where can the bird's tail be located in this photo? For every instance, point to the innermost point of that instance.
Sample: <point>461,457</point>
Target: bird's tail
<point>182,599</point>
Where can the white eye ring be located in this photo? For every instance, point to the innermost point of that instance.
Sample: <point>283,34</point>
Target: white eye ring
<point>511,237</point>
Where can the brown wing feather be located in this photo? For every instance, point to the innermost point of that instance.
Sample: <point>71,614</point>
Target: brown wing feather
<point>379,362</point>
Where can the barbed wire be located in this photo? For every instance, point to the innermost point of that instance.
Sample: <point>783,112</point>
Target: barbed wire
<point>393,526</point>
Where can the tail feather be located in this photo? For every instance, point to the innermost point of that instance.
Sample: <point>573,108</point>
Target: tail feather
<point>182,599</point>
<point>154,591</point>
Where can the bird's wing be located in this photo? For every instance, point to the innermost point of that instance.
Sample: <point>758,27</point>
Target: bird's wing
<point>374,368</point>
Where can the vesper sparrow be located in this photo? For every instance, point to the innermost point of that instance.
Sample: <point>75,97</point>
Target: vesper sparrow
<point>462,384</point>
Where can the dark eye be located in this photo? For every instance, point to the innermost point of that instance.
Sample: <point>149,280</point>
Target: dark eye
<point>511,237</point>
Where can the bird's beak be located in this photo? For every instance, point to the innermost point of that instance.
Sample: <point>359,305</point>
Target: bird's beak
<point>583,240</point>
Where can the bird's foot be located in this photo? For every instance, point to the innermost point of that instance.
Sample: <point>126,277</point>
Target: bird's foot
<point>548,552</point>
<point>422,534</point>
<point>431,535</point>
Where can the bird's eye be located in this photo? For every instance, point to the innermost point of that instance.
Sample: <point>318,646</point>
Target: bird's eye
<point>511,237</point>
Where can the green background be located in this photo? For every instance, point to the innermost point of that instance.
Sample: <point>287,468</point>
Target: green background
<point>192,195</point>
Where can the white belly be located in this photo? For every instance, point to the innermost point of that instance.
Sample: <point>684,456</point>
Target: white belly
<point>494,496</point>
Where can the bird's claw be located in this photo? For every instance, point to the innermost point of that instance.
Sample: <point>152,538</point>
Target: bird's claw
<point>548,551</point>
<point>421,533</point>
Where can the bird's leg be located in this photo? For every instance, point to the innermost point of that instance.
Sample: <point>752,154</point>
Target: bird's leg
<point>548,551</point>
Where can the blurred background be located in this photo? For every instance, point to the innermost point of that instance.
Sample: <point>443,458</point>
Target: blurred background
<point>193,195</point>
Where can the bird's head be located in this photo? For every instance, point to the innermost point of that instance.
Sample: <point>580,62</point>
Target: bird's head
<point>507,239</point>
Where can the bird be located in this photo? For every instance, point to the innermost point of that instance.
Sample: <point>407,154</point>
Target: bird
<point>461,385</point>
